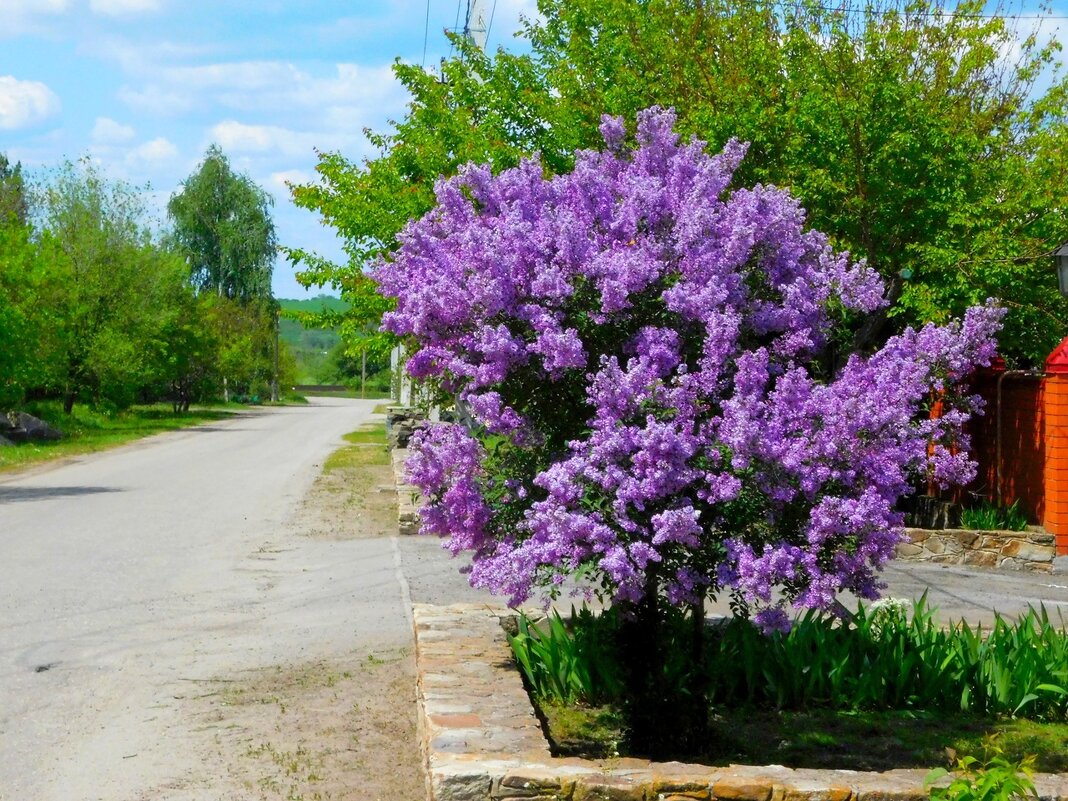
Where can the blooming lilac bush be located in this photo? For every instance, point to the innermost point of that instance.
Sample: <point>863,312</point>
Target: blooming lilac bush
<point>650,364</point>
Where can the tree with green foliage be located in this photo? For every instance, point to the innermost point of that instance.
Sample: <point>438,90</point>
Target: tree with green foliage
<point>245,333</point>
<point>107,286</point>
<point>929,139</point>
<point>223,227</point>
<point>24,323</point>
<point>13,203</point>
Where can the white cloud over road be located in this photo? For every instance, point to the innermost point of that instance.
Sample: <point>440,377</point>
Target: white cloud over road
<point>240,138</point>
<point>108,132</point>
<point>279,182</point>
<point>156,151</point>
<point>25,103</point>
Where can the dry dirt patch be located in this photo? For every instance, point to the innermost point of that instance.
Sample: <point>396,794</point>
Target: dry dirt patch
<point>354,496</point>
<point>320,731</point>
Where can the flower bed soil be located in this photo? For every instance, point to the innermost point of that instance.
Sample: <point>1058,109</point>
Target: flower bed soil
<point>820,739</point>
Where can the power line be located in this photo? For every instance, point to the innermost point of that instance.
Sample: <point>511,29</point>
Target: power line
<point>455,27</point>
<point>426,35</point>
<point>867,11</point>
<point>489,27</point>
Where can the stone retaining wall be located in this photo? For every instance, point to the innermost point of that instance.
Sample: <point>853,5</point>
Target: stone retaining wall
<point>1032,550</point>
<point>482,742</point>
<point>408,497</point>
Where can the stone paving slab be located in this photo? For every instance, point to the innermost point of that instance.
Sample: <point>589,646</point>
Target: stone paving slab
<point>481,740</point>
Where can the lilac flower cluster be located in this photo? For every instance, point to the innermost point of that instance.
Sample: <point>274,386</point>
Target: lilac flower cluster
<point>645,355</point>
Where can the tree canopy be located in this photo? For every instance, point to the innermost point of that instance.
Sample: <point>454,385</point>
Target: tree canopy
<point>12,192</point>
<point>106,285</point>
<point>930,140</point>
<point>96,308</point>
<point>223,227</point>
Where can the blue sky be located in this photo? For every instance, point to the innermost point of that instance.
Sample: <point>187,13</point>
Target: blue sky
<point>144,86</point>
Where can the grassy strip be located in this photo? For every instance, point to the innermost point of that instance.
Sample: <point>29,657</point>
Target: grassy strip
<point>825,739</point>
<point>87,431</point>
<point>353,496</point>
<point>368,449</point>
<point>354,394</point>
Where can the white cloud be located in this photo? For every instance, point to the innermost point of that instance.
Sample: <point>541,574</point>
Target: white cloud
<point>117,8</point>
<point>154,99</point>
<point>240,138</point>
<point>153,152</point>
<point>25,103</point>
<point>279,86</point>
<point>353,94</point>
<point>106,131</point>
<point>21,16</point>
<point>280,181</point>
<point>27,7</point>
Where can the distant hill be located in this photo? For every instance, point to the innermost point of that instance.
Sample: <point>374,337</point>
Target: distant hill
<point>310,346</point>
<point>318,303</point>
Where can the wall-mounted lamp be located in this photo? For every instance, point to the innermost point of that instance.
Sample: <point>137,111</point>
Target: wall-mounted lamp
<point>1060,258</point>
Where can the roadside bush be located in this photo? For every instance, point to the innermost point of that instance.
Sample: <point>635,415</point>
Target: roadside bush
<point>652,375</point>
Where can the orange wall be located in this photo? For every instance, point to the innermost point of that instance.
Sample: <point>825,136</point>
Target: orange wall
<point>1023,451</point>
<point>1056,459</point>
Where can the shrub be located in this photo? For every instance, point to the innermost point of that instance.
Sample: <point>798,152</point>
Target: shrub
<point>654,377</point>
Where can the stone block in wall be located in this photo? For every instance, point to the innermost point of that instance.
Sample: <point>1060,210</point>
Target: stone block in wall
<point>906,550</point>
<point>1041,538</point>
<point>935,545</point>
<point>981,559</point>
<point>1028,551</point>
<point>945,559</point>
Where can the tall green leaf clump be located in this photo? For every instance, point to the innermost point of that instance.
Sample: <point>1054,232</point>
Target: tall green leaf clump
<point>881,660</point>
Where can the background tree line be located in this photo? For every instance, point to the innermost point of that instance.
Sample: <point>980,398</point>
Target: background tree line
<point>928,138</point>
<point>97,307</point>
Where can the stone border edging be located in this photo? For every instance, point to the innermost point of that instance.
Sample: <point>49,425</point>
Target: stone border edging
<point>1033,550</point>
<point>481,740</point>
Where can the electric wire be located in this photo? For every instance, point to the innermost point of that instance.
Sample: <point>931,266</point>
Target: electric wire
<point>455,27</point>
<point>426,35</point>
<point>489,27</point>
<point>905,12</point>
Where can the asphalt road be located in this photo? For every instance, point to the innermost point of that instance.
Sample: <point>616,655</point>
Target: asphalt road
<point>129,576</point>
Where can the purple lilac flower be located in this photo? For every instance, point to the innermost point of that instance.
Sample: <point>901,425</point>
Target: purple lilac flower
<point>706,451</point>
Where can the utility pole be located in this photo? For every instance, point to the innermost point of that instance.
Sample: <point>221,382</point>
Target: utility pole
<point>274,380</point>
<point>476,28</point>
